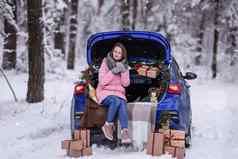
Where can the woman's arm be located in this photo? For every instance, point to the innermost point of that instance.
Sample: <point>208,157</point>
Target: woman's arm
<point>125,78</point>
<point>105,75</point>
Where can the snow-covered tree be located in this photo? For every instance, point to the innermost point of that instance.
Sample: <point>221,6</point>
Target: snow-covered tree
<point>10,31</point>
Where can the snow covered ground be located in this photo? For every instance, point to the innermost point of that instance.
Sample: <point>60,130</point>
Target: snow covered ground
<point>35,131</point>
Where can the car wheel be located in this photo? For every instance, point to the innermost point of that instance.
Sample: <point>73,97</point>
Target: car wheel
<point>72,119</point>
<point>188,138</point>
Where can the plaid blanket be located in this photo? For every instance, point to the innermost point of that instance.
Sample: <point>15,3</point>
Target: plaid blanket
<point>141,121</point>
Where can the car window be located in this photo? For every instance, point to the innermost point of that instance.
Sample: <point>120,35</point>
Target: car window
<point>176,70</point>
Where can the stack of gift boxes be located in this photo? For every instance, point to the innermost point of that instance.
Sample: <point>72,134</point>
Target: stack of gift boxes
<point>167,141</point>
<point>80,145</point>
<point>148,71</point>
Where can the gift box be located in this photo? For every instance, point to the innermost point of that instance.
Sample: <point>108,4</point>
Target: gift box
<point>153,72</point>
<point>177,134</point>
<point>65,144</point>
<point>173,142</point>
<point>173,134</point>
<point>76,145</point>
<point>147,71</point>
<point>74,153</point>
<point>170,150</point>
<point>155,144</point>
<point>180,153</point>
<point>80,145</point>
<point>80,153</point>
<point>77,135</point>
<point>143,70</point>
<point>87,151</point>
<point>85,137</point>
<point>177,143</point>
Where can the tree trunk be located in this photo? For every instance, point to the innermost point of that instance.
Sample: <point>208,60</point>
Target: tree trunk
<point>200,40</point>
<point>10,43</point>
<point>165,26</point>
<point>35,91</point>
<point>134,14</point>
<point>73,33</point>
<point>233,38</point>
<point>216,38</point>
<point>148,6</point>
<point>100,4</point>
<point>59,37</point>
<point>125,10</point>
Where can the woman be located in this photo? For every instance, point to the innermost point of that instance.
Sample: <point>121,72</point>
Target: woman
<point>113,78</point>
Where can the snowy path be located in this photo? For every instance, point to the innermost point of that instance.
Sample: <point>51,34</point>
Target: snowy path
<point>34,131</point>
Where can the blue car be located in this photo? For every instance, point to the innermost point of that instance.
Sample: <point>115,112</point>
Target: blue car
<point>144,48</point>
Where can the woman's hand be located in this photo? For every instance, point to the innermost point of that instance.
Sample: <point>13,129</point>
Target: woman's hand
<point>120,67</point>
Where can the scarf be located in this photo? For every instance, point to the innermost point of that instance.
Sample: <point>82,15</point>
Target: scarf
<point>111,63</point>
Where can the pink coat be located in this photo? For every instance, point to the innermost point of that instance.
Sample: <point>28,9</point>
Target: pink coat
<point>110,84</point>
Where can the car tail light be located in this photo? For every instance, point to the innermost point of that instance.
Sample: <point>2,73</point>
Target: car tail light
<point>79,89</point>
<point>174,88</point>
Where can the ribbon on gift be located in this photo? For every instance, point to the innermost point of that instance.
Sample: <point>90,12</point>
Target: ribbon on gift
<point>137,66</point>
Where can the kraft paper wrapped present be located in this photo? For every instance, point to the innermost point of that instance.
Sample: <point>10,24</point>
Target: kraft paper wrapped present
<point>79,145</point>
<point>65,144</point>
<point>143,70</point>
<point>141,122</point>
<point>148,71</point>
<point>155,144</point>
<point>177,152</point>
<point>76,145</point>
<point>153,72</point>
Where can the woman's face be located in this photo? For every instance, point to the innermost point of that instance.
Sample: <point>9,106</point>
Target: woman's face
<point>117,53</point>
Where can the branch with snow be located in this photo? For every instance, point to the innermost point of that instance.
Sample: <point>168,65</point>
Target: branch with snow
<point>6,12</point>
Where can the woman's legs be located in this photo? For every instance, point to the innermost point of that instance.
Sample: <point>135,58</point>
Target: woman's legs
<point>123,115</point>
<point>113,104</point>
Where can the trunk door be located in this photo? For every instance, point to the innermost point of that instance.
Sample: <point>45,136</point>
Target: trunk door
<point>144,47</point>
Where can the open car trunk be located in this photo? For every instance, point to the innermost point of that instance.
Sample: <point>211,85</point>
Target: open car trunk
<point>143,48</point>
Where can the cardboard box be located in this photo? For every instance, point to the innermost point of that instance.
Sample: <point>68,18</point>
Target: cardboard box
<point>80,153</point>
<point>77,135</point>
<point>88,138</point>
<point>158,144</point>
<point>169,150</point>
<point>153,72</point>
<point>76,145</point>
<point>173,134</point>
<point>143,70</point>
<point>155,144</point>
<point>74,153</point>
<point>65,144</point>
<point>177,143</point>
<point>87,151</point>
<point>180,153</point>
<point>85,137</point>
<point>177,134</point>
<point>150,143</point>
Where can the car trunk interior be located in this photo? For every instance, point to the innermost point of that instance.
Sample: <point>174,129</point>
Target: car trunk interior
<point>139,51</point>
